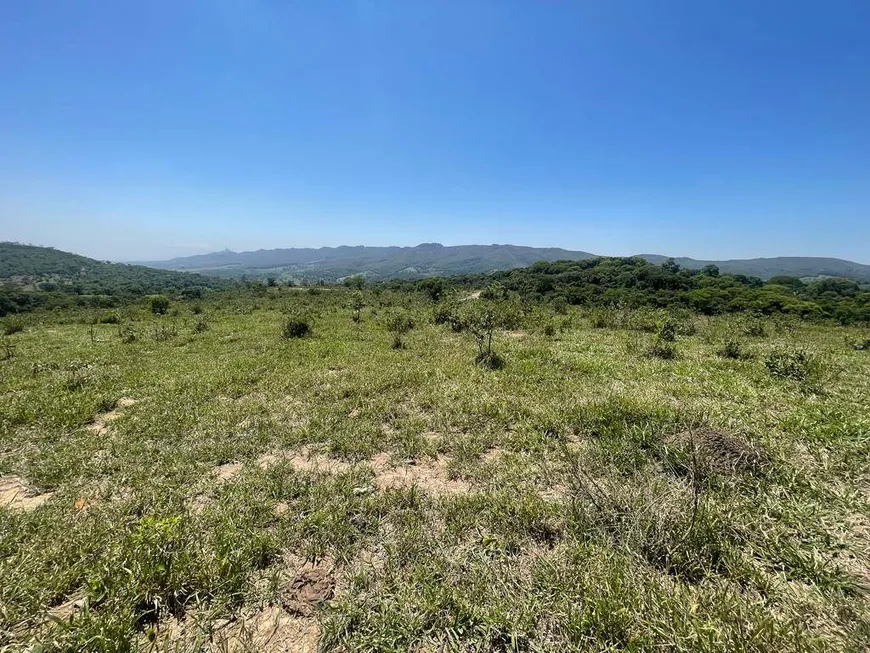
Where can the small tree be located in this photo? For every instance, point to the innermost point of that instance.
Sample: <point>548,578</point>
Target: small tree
<point>357,303</point>
<point>482,327</point>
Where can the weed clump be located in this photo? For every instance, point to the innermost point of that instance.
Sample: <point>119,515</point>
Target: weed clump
<point>399,322</point>
<point>663,347</point>
<point>164,332</point>
<point>7,351</point>
<point>706,451</point>
<point>794,364</point>
<point>754,326</point>
<point>110,317</point>
<point>127,334</point>
<point>12,326</point>
<point>295,327</point>
<point>732,348</point>
<point>201,324</point>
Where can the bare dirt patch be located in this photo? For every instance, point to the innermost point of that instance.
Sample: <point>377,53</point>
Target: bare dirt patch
<point>227,471</point>
<point>429,475</point>
<point>310,587</point>
<point>270,630</point>
<point>715,451</point>
<point>306,459</point>
<point>16,495</point>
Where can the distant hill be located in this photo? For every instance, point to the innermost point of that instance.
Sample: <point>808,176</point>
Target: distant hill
<point>333,263</point>
<point>432,259</point>
<point>26,267</point>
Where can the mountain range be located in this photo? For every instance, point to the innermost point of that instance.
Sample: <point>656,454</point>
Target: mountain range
<point>433,259</point>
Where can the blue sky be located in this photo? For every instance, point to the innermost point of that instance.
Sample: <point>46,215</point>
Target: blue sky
<point>713,129</point>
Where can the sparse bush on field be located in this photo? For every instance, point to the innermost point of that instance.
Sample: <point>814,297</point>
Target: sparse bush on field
<point>668,331</point>
<point>448,312</point>
<point>399,322</point>
<point>159,304</point>
<point>201,324</point>
<point>196,309</point>
<point>794,364</point>
<point>295,327</point>
<point>397,342</point>
<point>357,303</point>
<point>12,325</point>
<point>549,329</point>
<point>732,348</point>
<point>663,346</point>
<point>76,379</point>
<point>754,325</point>
<point>164,332</point>
<point>110,317</point>
<point>127,334</point>
<point>7,351</point>
<point>482,324</point>
<point>663,349</point>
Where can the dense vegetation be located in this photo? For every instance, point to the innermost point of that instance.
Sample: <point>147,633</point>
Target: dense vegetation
<point>275,468</point>
<point>42,277</point>
<point>634,282</point>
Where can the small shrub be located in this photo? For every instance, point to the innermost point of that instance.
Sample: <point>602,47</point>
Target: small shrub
<point>196,309</point>
<point>164,332</point>
<point>357,303</point>
<point>201,325</point>
<point>732,348</point>
<point>754,326</point>
<point>795,364</point>
<point>158,304</point>
<point>661,348</point>
<point>668,331</point>
<point>295,327</point>
<point>399,322</point>
<point>549,329</point>
<point>489,360</point>
<point>7,351</point>
<point>127,334</point>
<point>12,326</point>
<point>110,317</point>
<point>397,342</point>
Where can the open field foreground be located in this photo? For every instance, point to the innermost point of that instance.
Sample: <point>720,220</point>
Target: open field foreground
<point>621,481</point>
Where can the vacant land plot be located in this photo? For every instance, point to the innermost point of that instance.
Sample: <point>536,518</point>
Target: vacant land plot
<point>199,482</point>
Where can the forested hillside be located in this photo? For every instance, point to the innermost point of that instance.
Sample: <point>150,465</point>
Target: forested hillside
<point>42,276</point>
<point>635,282</point>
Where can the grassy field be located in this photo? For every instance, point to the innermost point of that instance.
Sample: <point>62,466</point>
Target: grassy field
<point>197,481</point>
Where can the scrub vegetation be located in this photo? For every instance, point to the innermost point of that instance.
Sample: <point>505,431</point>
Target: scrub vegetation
<point>367,469</point>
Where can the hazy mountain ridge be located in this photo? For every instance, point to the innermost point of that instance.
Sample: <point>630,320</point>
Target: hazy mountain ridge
<point>431,259</point>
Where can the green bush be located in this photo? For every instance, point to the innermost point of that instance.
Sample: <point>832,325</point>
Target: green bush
<point>12,325</point>
<point>295,327</point>
<point>158,304</point>
<point>399,322</point>
<point>110,317</point>
<point>794,364</point>
<point>732,348</point>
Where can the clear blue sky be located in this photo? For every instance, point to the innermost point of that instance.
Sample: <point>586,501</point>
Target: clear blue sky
<point>713,129</point>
